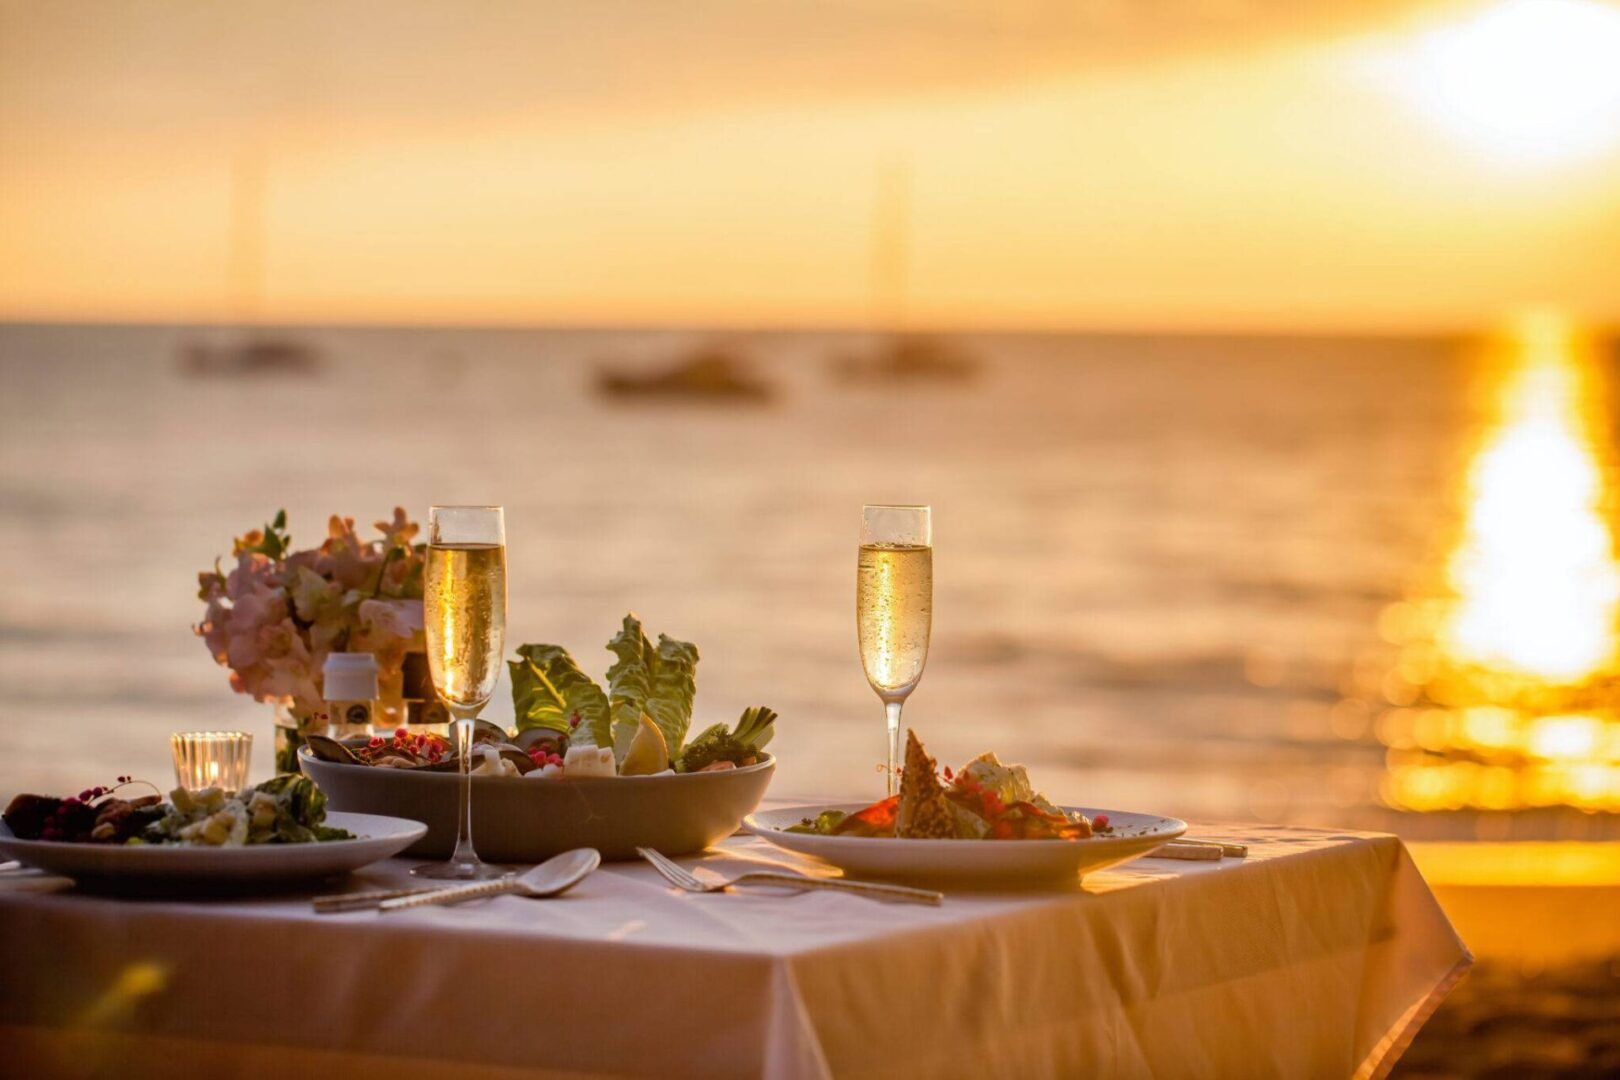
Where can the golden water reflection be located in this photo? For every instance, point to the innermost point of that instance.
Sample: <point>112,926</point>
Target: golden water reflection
<point>1504,689</point>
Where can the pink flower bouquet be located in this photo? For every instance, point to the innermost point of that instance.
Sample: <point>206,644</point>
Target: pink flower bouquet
<point>274,617</point>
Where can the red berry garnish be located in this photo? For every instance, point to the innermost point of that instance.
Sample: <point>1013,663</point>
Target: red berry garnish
<point>1101,821</point>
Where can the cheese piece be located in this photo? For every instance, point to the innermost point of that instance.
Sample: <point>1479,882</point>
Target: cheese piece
<point>491,763</point>
<point>588,761</point>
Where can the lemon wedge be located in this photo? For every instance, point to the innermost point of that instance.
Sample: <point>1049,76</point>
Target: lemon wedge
<point>648,752</point>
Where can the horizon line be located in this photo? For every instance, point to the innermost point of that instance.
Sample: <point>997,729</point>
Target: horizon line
<point>1434,332</point>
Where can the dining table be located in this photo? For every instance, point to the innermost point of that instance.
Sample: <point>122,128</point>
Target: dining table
<point>1319,954</point>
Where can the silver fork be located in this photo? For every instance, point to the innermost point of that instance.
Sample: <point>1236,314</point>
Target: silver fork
<point>683,879</point>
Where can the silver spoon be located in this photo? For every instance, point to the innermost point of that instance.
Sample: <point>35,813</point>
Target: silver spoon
<point>553,877</point>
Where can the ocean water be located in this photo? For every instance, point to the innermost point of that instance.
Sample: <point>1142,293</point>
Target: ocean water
<point>1157,560</point>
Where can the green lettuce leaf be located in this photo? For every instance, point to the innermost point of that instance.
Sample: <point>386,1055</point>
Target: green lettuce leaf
<point>282,781</point>
<point>300,810</point>
<point>660,682</point>
<point>549,691</point>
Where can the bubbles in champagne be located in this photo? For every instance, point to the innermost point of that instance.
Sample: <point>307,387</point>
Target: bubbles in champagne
<point>894,612</point>
<point>464,608</point>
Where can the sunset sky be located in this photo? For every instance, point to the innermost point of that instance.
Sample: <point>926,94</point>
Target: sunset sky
<point>1163,165</point>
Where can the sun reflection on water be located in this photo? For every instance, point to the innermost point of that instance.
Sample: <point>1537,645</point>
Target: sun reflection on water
<point>1535,573</point>
<point>1504,688</point>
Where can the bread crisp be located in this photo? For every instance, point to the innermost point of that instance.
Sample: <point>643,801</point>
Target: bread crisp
<point>925,812</point>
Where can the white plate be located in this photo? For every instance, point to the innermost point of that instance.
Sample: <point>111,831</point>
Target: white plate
<point>1005,861</point>
<point>376,838</point>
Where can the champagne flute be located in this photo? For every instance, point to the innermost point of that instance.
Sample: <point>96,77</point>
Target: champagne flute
<point>894,607</point>
<point>464,616</point>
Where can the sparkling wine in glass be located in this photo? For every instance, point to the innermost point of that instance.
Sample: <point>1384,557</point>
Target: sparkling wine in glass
<point>894,607</point>
<point>464,616</point>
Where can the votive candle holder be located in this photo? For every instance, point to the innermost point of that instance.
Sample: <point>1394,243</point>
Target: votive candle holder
<point>205,759</point>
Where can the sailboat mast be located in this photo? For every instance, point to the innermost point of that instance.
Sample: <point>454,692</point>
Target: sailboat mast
<point>891,245</point>
<point>245,252</point>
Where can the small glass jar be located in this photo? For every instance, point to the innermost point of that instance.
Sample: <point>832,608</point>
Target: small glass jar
<point>211,759</point>
<point>349,681</point>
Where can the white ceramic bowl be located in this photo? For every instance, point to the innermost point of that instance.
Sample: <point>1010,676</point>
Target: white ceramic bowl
<point>523,820</point>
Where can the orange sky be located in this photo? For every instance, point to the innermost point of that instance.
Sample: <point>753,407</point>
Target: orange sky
<point>1175,165</point>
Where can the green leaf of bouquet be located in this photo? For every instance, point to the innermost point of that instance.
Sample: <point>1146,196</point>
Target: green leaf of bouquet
<point>549,690</point>
<point>206,581</point>
<point>275,543</point>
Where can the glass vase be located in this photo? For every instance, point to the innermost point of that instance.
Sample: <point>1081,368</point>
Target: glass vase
<point>292,724</point>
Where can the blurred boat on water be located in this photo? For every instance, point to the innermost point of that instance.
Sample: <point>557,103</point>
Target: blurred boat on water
<point>909,358</point>
<point>251,356</point>
<point>240,347</point>
<point>715,373</point>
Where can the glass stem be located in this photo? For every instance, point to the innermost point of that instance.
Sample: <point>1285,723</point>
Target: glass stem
<point>892,711</point>
<point>464,853</point>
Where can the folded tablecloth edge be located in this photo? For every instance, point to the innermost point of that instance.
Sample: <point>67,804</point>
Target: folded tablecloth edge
<point>1382,1061</point>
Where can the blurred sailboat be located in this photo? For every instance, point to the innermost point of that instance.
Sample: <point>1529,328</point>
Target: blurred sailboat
<point>899,355</point>
<point>710,372</point>
<point>909,357</point>
<point>244,348</point>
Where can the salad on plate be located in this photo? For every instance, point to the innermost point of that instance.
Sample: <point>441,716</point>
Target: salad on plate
<point>288,809</point>
<point>571,727</point>
<point>984,800</point>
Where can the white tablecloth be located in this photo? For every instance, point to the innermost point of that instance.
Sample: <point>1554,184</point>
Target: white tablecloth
<point>1317,956</point>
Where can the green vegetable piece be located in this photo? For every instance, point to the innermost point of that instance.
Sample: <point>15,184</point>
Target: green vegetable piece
<point>280,783</point>
<point>659,682</point>
<point>716,743</point>
<point>549,691</point>
<point>754,729</point>
<point>822,824</point>
<point>300,809</point>
<point>709,735</point>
